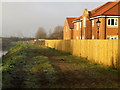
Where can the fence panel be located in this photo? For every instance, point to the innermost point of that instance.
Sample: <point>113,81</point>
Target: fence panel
<point>99,51</point>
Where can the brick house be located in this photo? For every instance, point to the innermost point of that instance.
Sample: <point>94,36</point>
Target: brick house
<point>68,29</point>
<point>100,23</point>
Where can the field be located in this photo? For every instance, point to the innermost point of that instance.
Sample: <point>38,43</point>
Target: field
<point>33,66</point>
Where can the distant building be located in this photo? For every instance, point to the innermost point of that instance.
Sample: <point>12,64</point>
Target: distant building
<point>100,23</point>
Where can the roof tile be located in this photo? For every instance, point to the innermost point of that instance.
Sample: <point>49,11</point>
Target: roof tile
<point>69,20</point>
<point>110,8</point>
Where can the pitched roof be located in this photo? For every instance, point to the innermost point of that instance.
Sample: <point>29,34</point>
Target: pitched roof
<point>78,18</point>
<point>109,8</point>
<point>114,10</point>
<point>70,24</point>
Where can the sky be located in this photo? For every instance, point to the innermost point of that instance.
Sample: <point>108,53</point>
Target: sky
<point>23,19</point>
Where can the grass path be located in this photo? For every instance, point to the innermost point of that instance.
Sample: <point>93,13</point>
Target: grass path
<point>31,66</point>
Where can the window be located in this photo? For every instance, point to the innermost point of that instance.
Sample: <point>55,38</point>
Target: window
<point>112,22</point>
<point>112,38</point>
<point>108,21</point>
<point>77,37</point>
<point>77,26</point>
<point>80,37</point>
<point>116,21</point>
<point>92,23</point>
<point>83,37</point>
<point>84,22</point>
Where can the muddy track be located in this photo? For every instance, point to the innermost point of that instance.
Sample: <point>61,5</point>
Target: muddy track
<point>71,77</point>
<point>67,78</point>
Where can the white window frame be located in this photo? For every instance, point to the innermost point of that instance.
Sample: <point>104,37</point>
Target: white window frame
<point>84,21</point>
<point>92,23</point>
<point>80,37</point>
<point>77,25</point>
<point>83,37</point>
<point>77,37</point>
<point>114,21</point>
<point>112,38</point>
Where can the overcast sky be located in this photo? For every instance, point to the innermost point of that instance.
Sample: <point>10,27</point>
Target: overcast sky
<point>24,18</point>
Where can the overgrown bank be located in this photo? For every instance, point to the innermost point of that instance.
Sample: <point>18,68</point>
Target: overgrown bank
<point>32,66</point>
<point>25,67</point>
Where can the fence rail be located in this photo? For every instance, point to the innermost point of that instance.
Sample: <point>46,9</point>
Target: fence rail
<point>100,51</point>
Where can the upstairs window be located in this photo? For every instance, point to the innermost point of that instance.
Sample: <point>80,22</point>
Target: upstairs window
<point>112,22</point>
<point>108,21</point>
<point>77,27</point>
<point>84,22</point>
<point>92,23</point>
<point>116,21</point>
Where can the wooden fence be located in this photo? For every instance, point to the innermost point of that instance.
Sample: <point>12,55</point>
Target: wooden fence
<point>100,51</point>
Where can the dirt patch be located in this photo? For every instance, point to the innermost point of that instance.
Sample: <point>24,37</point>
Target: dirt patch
<point>73,76</point>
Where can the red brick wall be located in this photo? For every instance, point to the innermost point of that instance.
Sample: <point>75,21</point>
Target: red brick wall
<point>88,29</point>
<point>94,29</point>
<point>83,30</point>
<point>102,28</point>
<point>67,34</point>
<point>76,31</point>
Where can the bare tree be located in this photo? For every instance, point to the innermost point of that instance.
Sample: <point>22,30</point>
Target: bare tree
<point>57,33</point>
<point>40,34</point>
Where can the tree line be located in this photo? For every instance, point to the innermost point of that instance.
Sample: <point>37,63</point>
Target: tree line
<point>56,34</point>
